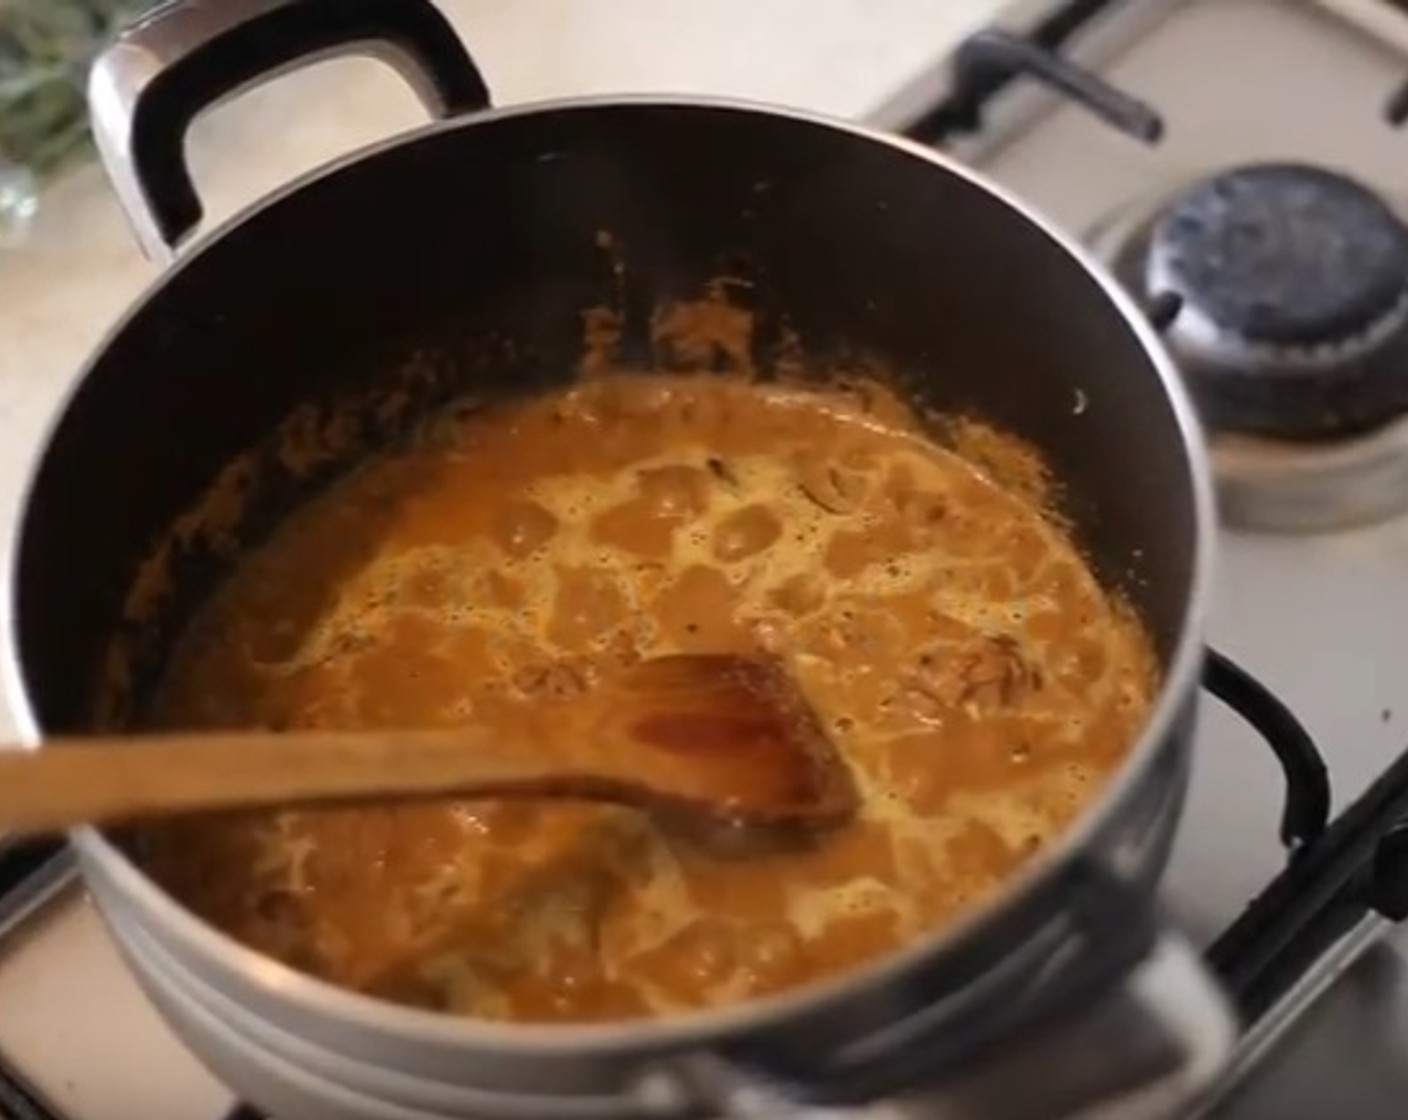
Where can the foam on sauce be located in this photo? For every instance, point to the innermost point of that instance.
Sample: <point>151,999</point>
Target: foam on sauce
<point>980,683</point>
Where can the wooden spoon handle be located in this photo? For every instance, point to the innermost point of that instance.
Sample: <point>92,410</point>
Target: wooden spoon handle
<point>120,778</point>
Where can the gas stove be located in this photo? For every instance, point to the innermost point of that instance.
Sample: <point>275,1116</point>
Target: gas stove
<point>1239,165</point>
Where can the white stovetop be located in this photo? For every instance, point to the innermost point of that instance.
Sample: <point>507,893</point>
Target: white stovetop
<point>92,1046</point>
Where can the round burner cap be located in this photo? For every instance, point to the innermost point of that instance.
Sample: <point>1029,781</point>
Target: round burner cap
<point>1283,255</point>
<point>1294,286</point>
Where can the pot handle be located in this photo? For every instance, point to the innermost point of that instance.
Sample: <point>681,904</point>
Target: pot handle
<point>1305,812</point>
<point>158,75</point>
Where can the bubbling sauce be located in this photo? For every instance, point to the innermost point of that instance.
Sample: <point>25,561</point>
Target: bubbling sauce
<point>978,681</point>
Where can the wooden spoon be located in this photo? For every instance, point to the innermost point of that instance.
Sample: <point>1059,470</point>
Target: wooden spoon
<point>704,743</point>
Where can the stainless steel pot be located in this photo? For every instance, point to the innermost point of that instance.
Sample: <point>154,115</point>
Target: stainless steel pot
<point>1070,989</point>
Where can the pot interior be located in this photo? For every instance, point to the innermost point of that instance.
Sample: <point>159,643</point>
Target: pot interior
<point>461,261</point>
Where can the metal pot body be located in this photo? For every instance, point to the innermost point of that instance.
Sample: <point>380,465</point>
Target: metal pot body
<point>489,225</point>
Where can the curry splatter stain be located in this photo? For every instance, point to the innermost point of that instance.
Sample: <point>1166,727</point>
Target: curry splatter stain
<point>708,333</point>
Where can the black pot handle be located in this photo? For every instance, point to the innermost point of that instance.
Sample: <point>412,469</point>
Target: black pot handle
<point>1306,810</point>
<point>152,81</point>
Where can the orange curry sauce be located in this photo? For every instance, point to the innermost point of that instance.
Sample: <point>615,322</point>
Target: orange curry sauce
<point>979,682</point>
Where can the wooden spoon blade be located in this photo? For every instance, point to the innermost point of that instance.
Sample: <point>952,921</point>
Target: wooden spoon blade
<point>734,733</point>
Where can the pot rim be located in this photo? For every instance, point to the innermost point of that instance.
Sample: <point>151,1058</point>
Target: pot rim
<point>198,939</point>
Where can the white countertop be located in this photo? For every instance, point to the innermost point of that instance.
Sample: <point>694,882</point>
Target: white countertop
<point>80,269</point>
